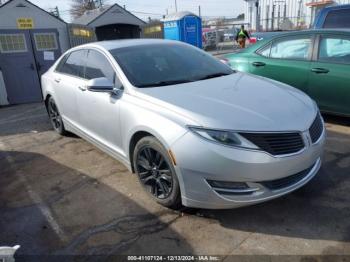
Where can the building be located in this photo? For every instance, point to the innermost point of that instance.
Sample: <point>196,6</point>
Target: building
<point>113,22</point>
<point>223,23</point>
<point>31,39</point>
<point>153,29</point>
<point>272,15</point>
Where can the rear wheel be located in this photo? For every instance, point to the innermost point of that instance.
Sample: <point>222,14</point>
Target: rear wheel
<point>156,172</point>
<point>55,117</point>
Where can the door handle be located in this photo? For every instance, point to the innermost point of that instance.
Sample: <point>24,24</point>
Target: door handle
<point>320,70</point>
<point>258,64</point>
<point>82,88</point>
<point>57,80</point>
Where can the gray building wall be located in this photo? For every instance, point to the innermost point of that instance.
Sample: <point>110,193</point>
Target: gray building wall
<point>10,12</point>
<point>116,15</point>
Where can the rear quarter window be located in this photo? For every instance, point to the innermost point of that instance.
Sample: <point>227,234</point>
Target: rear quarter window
<point>338,19</point>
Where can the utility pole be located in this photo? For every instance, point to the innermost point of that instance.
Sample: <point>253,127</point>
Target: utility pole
<point>199,11</point>
<point>257,18</point>
<point>57,11</point>
<point>54,11</point>
<point>176,5</point>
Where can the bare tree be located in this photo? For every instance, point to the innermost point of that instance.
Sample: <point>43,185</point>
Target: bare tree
<point>79,7</point>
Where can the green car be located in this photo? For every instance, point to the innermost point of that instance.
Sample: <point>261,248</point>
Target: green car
<point>314,61</point>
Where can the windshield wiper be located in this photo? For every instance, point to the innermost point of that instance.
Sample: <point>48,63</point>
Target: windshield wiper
<point>213,76</point>
<point>166,83</point>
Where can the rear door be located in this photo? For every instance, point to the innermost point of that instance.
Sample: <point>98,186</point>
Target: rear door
<point>285,59</point>
<point>329,81</point>
<point>18,67</point>
<point>46,48</point>
<point>69,80</point>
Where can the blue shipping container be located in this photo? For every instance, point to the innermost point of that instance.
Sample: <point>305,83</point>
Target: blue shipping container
<point>185,27</point>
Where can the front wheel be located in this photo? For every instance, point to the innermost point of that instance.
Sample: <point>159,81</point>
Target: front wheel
<point>156,172</point>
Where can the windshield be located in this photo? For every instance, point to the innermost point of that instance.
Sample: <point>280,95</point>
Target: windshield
<point>161,65</point>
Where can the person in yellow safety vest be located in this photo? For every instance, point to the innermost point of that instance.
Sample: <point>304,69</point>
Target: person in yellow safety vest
<point>242,36</point>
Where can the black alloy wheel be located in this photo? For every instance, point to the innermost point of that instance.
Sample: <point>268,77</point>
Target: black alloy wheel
<point>156,172</point>
<point>55,117</point>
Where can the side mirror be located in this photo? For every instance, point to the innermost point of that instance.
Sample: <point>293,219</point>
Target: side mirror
<point>101,84</point>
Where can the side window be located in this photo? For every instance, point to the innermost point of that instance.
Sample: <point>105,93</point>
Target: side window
<point>298,48</point>
<point>98,66</point>
<point>334,50</point>
<point>74,64</point>
<point>264,51</point>
<point>338,19</point>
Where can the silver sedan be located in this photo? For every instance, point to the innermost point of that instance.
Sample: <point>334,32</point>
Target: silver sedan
<point>194,131</point>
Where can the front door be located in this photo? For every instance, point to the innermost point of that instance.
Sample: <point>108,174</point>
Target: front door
<point>18,67</point>
<point>286,60</point>
<point>329,74</point>
<point>46,48</point>
<point>99,112</point>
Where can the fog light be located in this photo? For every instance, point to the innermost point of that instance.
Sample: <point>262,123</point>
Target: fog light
<point>227,185</point>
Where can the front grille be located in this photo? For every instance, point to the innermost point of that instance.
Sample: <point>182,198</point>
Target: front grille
<point>276,143</point>
<point>316,129</point>
<point>286,181</point>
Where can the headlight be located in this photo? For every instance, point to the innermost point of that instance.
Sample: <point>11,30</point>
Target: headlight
<point>228,138</point>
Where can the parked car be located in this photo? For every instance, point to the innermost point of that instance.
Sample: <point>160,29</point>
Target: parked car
<point>210,39</point>
<point>314,61</point>
<point>337,16</point>
<point>193,130</point>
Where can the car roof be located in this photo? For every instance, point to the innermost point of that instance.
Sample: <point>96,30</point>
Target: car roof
<point>261,43</point>
<point>308,31</point>
<point>336,7</point>
<point>313,31</point>
<point>115,44</point>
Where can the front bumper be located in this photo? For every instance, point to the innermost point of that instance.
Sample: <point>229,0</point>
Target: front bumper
<point>199,161</point>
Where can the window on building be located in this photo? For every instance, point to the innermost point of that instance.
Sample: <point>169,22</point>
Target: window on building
<point>45,41</point>
<point>298,48</point>
<point>338,19</point>
<point>74,64</point>
<point>12,43</point>
<point>334,50</point>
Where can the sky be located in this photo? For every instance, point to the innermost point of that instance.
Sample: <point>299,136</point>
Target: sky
<point>156,8</point>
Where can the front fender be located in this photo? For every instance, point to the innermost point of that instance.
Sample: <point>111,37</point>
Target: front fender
<point>136,118</point>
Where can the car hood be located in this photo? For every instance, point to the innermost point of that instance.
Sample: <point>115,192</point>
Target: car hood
<point>236,102</point>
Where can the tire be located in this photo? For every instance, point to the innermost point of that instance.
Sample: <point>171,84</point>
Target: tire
<point>150,158</point>
<point>55,117</point>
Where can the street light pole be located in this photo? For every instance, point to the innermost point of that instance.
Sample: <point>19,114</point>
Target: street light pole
<point>176,5</point>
